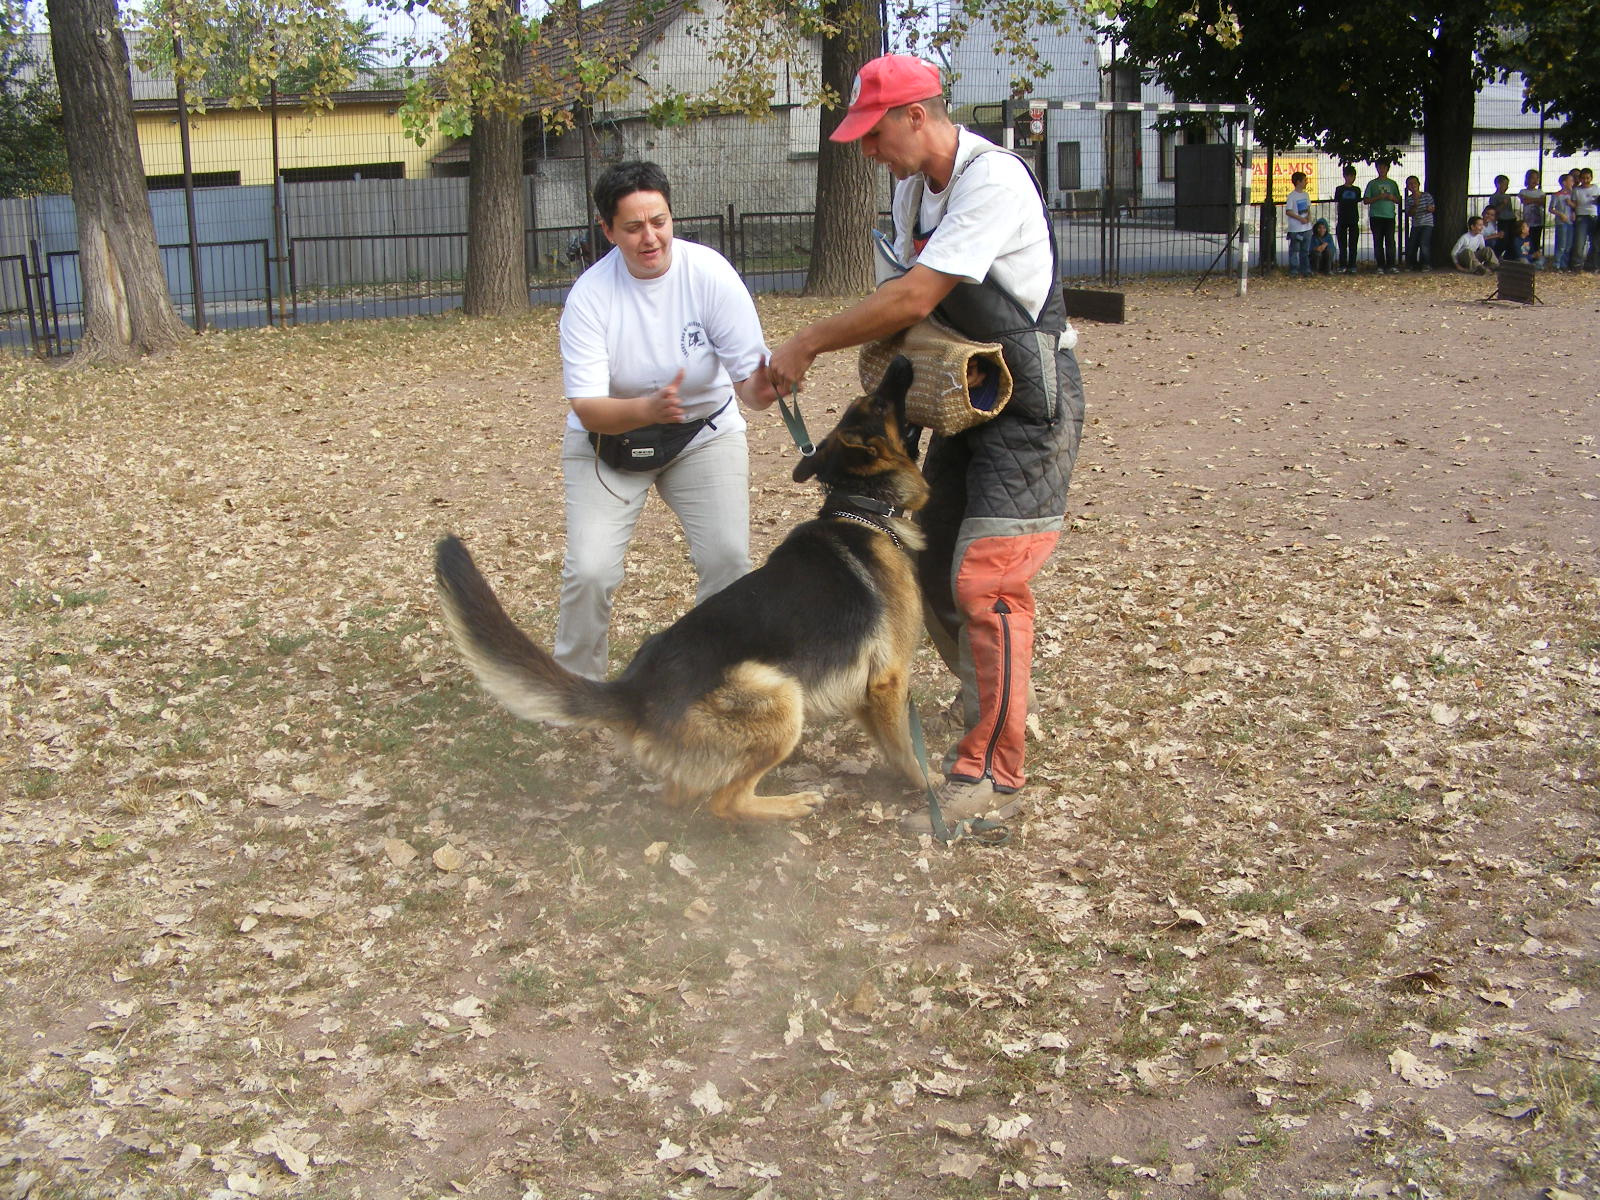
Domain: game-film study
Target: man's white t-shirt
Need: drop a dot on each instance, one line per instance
(1584, 200)
(988, 216)
(623, 336)
(1467, 242)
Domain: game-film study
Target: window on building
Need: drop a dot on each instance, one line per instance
(169, 183)
(1169, 155)
(1193, 134)
(388, 170)
(1069, 166)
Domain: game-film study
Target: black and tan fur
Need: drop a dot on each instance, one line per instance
(826, 627)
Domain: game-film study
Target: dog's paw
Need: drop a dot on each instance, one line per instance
(782, 808)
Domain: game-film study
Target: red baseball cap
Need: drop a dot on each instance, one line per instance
(885, 83)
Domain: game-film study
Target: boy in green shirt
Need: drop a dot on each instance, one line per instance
(1382, 199)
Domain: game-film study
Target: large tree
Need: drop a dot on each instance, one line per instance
(847, 183)
(497, 277)
(1353, 80)
(126, 308)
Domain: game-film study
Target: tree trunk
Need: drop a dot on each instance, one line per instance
(497, 277)
(1448, 107)
(126, 308)
(847, 183)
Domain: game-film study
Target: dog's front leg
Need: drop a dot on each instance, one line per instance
(886, 715)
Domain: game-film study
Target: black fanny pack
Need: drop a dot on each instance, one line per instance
(650, 447)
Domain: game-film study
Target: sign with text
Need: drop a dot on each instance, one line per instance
(1282, 169)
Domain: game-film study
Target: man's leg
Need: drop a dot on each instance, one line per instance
(993, 590)
(1014, 480)
(603, 506)
(708, 487)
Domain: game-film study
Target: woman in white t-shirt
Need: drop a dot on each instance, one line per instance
(656, 336)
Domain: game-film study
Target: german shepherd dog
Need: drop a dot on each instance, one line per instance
(827, 626)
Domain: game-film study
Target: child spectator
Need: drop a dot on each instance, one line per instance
(1561, 214)
(1382, 199)
(1492, 235)
(1297, 213)
(1584, 197)
(1323, 252)
(1533, 205)
(1501, 201)
(1514, 242)
(1347, 220)
(1470, 253)
(1419, 231)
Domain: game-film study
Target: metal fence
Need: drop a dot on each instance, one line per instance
(353, 276)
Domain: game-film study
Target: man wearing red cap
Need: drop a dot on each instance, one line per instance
(974, 248)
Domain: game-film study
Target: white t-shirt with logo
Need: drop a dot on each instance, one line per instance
(988, 216)
(1297, 208)
(623, 336)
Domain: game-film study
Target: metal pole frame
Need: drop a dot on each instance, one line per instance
(188, 188)
(1242, 225)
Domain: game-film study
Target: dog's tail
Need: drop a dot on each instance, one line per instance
(520, 675)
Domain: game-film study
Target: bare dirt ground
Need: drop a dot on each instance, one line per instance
(1306, 902)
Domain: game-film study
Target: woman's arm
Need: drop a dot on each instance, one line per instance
(620, 414)
(756, 391)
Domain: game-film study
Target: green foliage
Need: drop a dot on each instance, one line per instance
(236, 50)
(1553, 45)
(1352, 80)
(1356, 79)
(33, 154)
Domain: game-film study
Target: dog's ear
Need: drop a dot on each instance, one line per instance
(896, 383)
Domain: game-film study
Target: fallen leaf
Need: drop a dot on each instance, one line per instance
(401, 854)
(706, 1099)
(448, 858)
(1414, 1071)
(964, 1166)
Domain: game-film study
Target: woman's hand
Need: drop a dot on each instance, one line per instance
(620, 414)
(664, 406)
(756, 392)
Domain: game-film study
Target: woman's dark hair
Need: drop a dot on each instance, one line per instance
(623, 180)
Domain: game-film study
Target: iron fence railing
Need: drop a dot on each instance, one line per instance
(352, 276)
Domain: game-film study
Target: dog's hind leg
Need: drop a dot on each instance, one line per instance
(752, 724)
(886, 716)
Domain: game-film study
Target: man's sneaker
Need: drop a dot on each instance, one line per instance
(962, 800)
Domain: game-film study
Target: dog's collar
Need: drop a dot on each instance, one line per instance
(879, 508)
(847, 515)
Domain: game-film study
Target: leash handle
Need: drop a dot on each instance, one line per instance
(795, 423)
